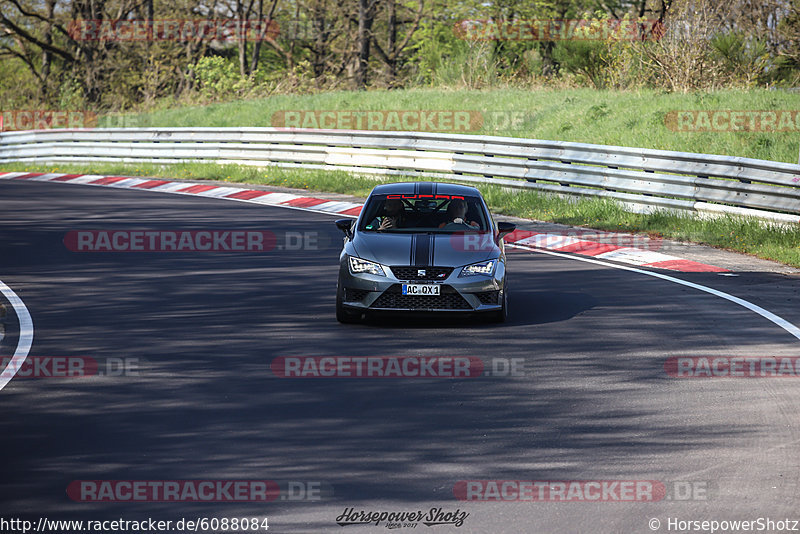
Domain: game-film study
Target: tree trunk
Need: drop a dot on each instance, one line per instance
(240, 40)
(94, 55)
(319, 48)
(391, 51)
(46, 55)
(265, 32)
(366, 16)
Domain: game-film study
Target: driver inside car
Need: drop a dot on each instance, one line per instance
(456, 216)
(394, 217)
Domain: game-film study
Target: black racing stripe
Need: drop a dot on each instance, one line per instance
(413, 249)
(431, 246)
(425, 188)
(422, 249)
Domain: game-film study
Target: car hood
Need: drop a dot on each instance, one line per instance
(444, 250)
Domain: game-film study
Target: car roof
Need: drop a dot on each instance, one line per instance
(424, 188)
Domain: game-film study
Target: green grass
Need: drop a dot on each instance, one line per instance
(622, 118)
(749, 236)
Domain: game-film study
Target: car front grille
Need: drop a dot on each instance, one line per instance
(488, 297)
(393, 297)
(404, 272)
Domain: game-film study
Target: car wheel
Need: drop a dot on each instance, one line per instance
(501, 315)
(343, 315)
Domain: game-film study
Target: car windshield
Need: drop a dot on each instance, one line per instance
(424, 213)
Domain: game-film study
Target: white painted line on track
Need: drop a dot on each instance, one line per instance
(766, 314)
(25, 335)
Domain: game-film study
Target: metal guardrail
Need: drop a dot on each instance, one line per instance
(639, 178)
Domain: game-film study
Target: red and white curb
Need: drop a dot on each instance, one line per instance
(203, 190)
(607, 251)
(524, 239)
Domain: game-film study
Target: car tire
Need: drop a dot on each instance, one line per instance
(501, 315)
(343, 315)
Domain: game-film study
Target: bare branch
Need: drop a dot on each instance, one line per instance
(32, 14)
(27, 36)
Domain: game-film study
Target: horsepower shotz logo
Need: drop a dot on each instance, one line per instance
(434, 516)
(377, 367)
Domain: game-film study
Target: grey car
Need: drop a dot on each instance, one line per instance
(423, 247)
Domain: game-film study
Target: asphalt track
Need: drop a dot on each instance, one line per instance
(595, 402)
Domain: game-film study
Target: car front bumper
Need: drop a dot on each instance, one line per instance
(468, 294)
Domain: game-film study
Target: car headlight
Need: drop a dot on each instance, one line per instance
(484, 267)
(359, 266)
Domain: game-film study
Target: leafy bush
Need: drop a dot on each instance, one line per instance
(745, 58)
(587, 58)
(215, 76)
(218, 79)
(611, 61)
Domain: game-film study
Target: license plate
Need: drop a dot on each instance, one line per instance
(421, 289)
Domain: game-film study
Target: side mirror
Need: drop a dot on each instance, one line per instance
(505, 228)
(345, 226)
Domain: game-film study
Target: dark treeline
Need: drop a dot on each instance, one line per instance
(71, 54)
